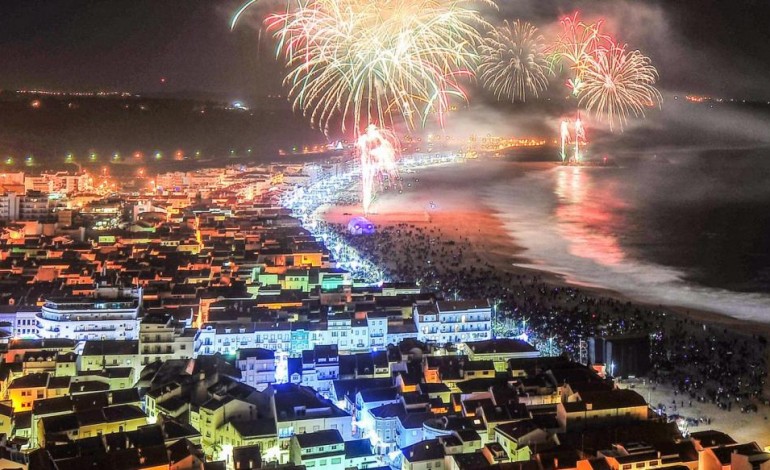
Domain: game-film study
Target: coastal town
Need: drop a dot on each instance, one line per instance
(213, 319)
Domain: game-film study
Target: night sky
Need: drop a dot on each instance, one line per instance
(709, 46)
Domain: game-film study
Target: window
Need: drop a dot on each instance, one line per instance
(336, 461)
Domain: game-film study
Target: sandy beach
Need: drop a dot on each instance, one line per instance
(451, 198)
(743, 427)
(446, 197)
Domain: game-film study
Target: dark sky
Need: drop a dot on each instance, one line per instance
(716, 46)
(127, 44)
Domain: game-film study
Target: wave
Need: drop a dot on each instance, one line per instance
(570, 225)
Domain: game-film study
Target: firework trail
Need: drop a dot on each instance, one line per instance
(580, 134)
(378, 152)
(619, 83)
(513, 63)
(565, 139)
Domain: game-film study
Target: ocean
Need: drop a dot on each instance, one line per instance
(686, 226)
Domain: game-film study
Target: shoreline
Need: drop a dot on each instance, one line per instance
(497, 247)
(427, 235)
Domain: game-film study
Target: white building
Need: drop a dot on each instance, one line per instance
(377, 323)
(68, 183)
(86, 318)
(300, 410)
(227, 338)
(257, 367)
(40, 183)
(160, 339)
(454, 321)
(9, 206)
(26, 322)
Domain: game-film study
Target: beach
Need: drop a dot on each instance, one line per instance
(441, 223)
(743, 427)
(454, 198)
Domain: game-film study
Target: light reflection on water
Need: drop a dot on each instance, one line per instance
(584, 214)
(582, 223)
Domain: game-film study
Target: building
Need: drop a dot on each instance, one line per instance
(86, 318)
(257, 367)
(622, 356)
(518, 439)
(598, 408)
(499, 351)
(320, 367)
(424, 455)
(161, 339)
(447, 321)
(34, 205)
(327, 449)
(102, 355)
(9, 206)
(300, 410)
(82, 425)
(324, 448)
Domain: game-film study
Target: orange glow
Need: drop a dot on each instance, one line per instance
(582, 220)
(697, 99)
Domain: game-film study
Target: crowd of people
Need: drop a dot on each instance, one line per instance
(702, 361)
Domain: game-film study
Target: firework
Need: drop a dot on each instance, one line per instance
(513, 62)
(618, 83)
(580, 134)
(361, 62)
(367, 61)
(577, 44)
(378, 152)
(564, 139)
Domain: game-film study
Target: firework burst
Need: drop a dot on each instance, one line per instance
(618, 83)
(513, 62)
(367, 61)
(576, 45)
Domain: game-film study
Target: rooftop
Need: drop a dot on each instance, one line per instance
(319, 438)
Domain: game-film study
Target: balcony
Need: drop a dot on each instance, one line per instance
(61, 317)
(151, 340)
(90, 329)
